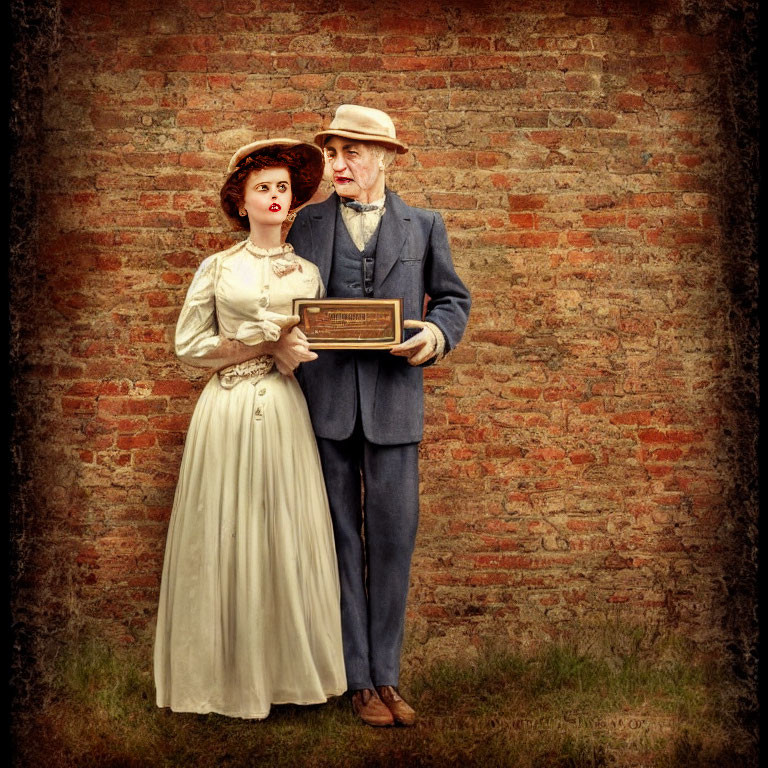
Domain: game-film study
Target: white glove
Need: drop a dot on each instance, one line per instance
(427, 343)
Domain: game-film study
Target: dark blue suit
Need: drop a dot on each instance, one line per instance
(367, 411)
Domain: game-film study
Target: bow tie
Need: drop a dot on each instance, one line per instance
(360, 207)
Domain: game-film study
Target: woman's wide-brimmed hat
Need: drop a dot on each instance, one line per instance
(307, 155)
(363, 124)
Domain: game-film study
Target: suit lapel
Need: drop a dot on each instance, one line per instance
(393, 234)
(322, 225)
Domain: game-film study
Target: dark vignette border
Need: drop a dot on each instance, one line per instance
(35, 28)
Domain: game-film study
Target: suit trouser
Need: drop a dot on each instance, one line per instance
(374, 571)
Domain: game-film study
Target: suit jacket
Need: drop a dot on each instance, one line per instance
(412, 258)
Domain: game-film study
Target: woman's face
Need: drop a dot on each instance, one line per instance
(267, 196)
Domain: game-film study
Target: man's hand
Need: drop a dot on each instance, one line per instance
(292, 348)
(419, 348)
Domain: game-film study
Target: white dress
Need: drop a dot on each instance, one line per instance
(249, 601)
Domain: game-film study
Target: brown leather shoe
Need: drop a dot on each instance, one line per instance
(402, 712)
(367, 705)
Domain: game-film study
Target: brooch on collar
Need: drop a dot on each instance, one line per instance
(282, 267)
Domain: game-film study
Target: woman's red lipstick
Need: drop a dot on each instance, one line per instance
(275, 207)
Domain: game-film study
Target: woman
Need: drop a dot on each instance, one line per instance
(249, 600)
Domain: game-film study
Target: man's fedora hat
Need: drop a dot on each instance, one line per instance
(306, 155)
(363, 124)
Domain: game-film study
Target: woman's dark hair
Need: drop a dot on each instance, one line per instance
(232, 192)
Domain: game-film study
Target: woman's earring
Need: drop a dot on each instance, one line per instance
(291, 215)
(243, 212)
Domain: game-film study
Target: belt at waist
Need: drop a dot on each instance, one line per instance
(251, 370)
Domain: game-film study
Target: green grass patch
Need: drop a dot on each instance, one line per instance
(608, 696)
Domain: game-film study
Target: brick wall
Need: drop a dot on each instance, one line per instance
(580, 455)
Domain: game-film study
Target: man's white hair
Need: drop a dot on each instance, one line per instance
(387, 155)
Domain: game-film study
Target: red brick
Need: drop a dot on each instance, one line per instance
(632, 417)
(450, 158)
(670, 436)
(175, 423)
(175, 387)
(77, 405)
(521, 220)
(522, 239)
(605, 219)
(148, 336)
(142, 440)
(131, 405)
(500, 338)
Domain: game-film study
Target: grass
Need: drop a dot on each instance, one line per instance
(616, 696)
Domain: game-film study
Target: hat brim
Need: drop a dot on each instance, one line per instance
(303, 152)
(387, 141)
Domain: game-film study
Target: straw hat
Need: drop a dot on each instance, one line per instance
(364, 124)
(307, 155)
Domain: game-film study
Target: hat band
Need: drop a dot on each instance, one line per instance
(361, 136)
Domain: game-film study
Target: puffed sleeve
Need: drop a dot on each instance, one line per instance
(197, 335)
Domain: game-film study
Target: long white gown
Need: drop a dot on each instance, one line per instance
(249, 600)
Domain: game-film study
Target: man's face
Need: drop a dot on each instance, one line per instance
(356, 169)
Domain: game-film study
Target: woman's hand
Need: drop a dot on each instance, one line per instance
(292, 348)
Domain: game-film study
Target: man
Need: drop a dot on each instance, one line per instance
(367, 406)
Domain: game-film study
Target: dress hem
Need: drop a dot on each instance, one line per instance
(260, 715)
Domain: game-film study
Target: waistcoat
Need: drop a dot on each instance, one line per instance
(352, 270)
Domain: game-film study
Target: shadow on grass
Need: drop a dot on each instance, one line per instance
(612, 696)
